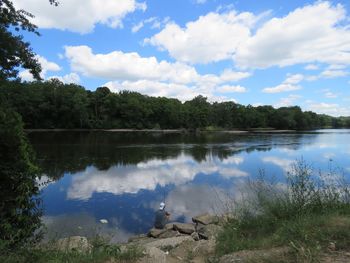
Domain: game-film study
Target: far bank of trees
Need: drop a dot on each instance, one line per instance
(53, 104)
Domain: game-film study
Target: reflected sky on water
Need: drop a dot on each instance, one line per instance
(122, 177)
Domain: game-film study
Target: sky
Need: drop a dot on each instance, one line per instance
(269, 52)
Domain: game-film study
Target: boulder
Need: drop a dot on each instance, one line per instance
(169, 233)
(168, 242)
(77, 243)
(184, 228)
(154, 255)
(209, 232)
(154, 232)
(204, 247)
(169, 226)
(206, 219)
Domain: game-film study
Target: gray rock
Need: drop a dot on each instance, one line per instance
(169, 233)
(204, 247)
(169, 226)
(205, 219)
(154, 255)
(77, 243)
(137, 238)
(154, 232)
(172, 242)
(184, 228)
(195, 236)
(209, 232)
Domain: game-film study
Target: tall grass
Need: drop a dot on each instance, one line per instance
(303, 214)
(101, 251)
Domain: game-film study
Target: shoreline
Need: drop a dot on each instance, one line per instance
(263, 130)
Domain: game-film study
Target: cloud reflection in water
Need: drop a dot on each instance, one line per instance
(147, 175)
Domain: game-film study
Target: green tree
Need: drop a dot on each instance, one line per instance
(14, 52)
(19, 203)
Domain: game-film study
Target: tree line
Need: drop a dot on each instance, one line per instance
(53, 104)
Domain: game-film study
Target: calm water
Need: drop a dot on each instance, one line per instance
(122, 177)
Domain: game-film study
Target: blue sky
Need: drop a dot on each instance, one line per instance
(275, 52)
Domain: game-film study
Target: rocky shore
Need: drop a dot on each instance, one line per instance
(177, 242)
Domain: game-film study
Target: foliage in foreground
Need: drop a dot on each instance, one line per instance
(308, 214)
(19, 206)
(101, 251)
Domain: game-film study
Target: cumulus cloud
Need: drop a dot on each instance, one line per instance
(311, 67)
(146, 175)
(332, 109)
(157, 89)
(154, 22)
(46, 66)
(289, 84)
(230, 89)
(287, 101)
(148, 75)
(132, 67)
(127, 66)
(68, 78)
(212, 37)
(299, 37)
(333, 73)
(79, 15)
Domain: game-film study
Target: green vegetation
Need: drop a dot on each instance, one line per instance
(310, 215)
(19, 205)
(101, 253)
(53, 104)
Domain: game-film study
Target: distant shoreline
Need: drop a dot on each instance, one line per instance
(263, 130)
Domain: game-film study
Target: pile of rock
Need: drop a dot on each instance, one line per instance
(177, 240)
(203, 227)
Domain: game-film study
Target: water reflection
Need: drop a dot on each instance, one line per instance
(122, 177)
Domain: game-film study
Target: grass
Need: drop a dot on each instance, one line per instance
(101, 251)
(307, 214)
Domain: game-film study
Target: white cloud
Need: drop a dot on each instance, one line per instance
(329, 94)
(289, 84)
(79, 15)
(288, 101)
(69, 78)
(137, 27)
(46, 66)
(212, 37)
(156, 88)
(311, 67)
(130, 71)
(332, 109)
(299, 37)
(155, 23)
(285, 164)
(166, 89)
(146, 175)
(231, 89)
(127, 66)
(200, 1)
(333, 73)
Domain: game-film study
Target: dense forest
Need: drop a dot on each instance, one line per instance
(52, 104)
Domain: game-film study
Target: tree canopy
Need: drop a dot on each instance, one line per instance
(52, 104)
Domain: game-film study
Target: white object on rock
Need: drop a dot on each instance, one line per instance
(104, 221)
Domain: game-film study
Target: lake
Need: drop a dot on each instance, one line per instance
(121, 177)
